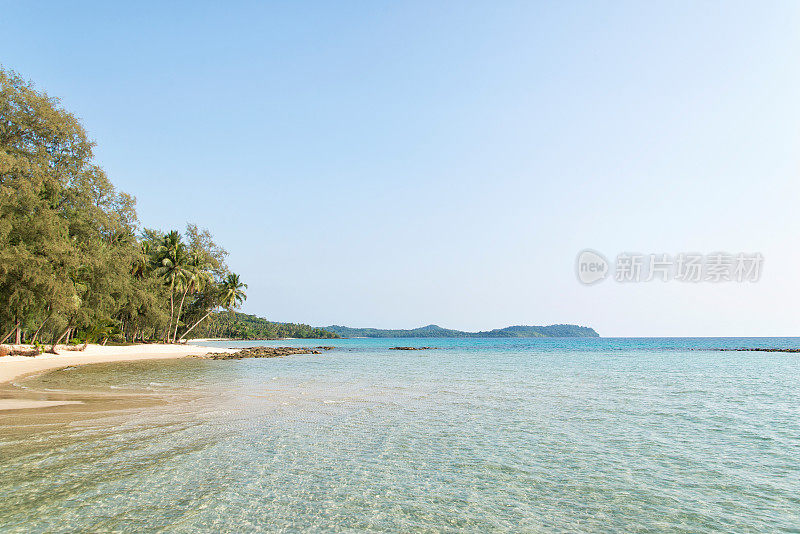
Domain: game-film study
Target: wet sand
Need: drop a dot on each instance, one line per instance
(14, 367)
(22, 404)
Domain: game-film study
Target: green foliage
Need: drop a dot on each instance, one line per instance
(72, 258)
(243, 326)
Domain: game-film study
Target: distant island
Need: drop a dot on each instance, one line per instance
(237, 325)
(432, 330)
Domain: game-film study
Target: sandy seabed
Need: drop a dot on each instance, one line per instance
(12, 367)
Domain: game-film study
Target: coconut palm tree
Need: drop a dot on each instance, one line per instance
(171, 263)
(232, 295)
(194, 278)
(229, 295)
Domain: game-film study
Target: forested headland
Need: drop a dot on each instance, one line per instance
(75, 264)
(238, 325)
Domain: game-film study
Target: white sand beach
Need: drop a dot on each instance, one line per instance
(12, 367)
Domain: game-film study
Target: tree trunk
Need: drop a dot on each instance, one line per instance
(19, 334)
(178, 318)
(195, 324)
(8, 335)
(171, 308)
(57, 341)
(36, 334)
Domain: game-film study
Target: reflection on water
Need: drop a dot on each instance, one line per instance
(479, 435)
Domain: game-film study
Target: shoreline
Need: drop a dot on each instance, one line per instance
(204, 339)
(14, 367)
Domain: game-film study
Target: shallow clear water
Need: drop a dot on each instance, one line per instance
(548, 435)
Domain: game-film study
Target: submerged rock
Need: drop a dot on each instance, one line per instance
(413, 348)
(259, 352)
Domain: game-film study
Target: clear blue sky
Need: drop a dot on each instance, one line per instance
(395, 164)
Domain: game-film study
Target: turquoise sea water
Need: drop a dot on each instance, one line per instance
(535, 435)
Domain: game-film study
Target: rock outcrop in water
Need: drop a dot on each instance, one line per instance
(261, 352)
(761, 349)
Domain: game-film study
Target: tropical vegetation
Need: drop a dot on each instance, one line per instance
(75, 265)
(237, 325)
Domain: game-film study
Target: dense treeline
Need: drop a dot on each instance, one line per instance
(243, 326)
(74, 264)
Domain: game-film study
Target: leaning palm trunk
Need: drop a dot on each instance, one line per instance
(8, 335)
(178, 318)
(36, 334)
(171, 309)
(195, 324)
(57, 341)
